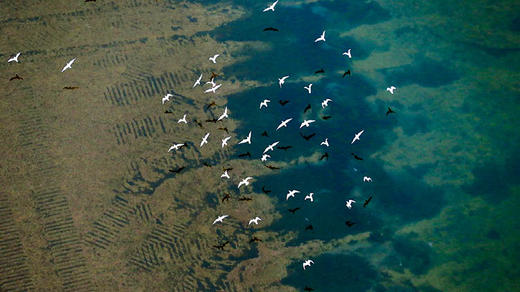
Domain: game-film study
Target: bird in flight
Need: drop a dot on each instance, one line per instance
(307, 108)
(307, 263)
(264, 134)
(244, 182)
(321, 38)
(291, 194)
(166, 98)
(248, 154)
(198, 81)
(349, 203)
(270, 29)
(224, 115)
(356, 157)
(211, 82)
(175, 147)
(246, 140)
(281, 81)
(283, 102)
(307, 289)
(284, 124)
(204, 140)
(265, 190)
(309, 227)
(225, 140)
(69, 65)
(255, 220)
(71, 87)
(221, 246)
(225, 175)
(224, 129)
(391, 89)
(271, 147)
(389, 111)
(293, 210)
(214, 58)
(310, 197)
(220, 219)
(357, 136)
(309, 88)
(367, 201)
(325, 102)
(271, 7)
(319, 71)
(213, 89)
(346, 73)
(308, 137)
(264, 103)
(272, 167)
(284, 147)
(177, 170)
(16, 77)
(254, 239)
(326, 142)
(367, 179)
(183, 120)
(14, 59)
(349, 223)
(265, 157)
(306, 123)
(226, 197)
(347, 53)
(326, 155)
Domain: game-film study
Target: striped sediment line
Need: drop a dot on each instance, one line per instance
(147, 127)
(14, 272)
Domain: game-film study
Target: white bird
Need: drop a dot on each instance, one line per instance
(349, 203)
(325, 102)
(265, 156)
(321, 38)
(326, 142)
(255, 220)
(166, 98)
(309, 88)
(224, 141)
(198, 81)
(271, 147)
(306, 123)
(307, 263)
(264, 103)
(245, 182)
(246, 140)
(15, 58)
(225, 175)
(213, 89)
(224, 115)
(183, 120)
(391, 89)
(69, 65)
(220, 218)
(309, 196)
(356, 137)
(271, 7)
(291, 194)
(283, 124)
(214, 58)
(367, 179)
(212, 82)
(204, 140)
(281, 81)
(347, 53)
(175, 147)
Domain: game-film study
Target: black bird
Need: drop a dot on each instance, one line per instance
(244, 199)
(326, 155)
(309, 227)
(265, 191)
(356, 157)
(221, 246)
(227, 169)
(265, 134)
(284, 147)
(16, 77)
(214, 120)
(308, 289)
(245, 154)
(349, 223)
(211, 104)
(283, 102)
(308, 107)
(270, 29)
(308, 137)
(168, 112)
(255, 239)
(326, 117)
(367, 201)
(71, 87)
(198, 123)
(271, 167)
(320, 71)
(213, 75)
(207, 164)
(346, 73)
(389, 111)
(224, 129)
(294, 210)
(90, 0)
(177, 170)
(226, 197)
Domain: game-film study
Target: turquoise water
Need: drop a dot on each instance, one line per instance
(445, 167)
